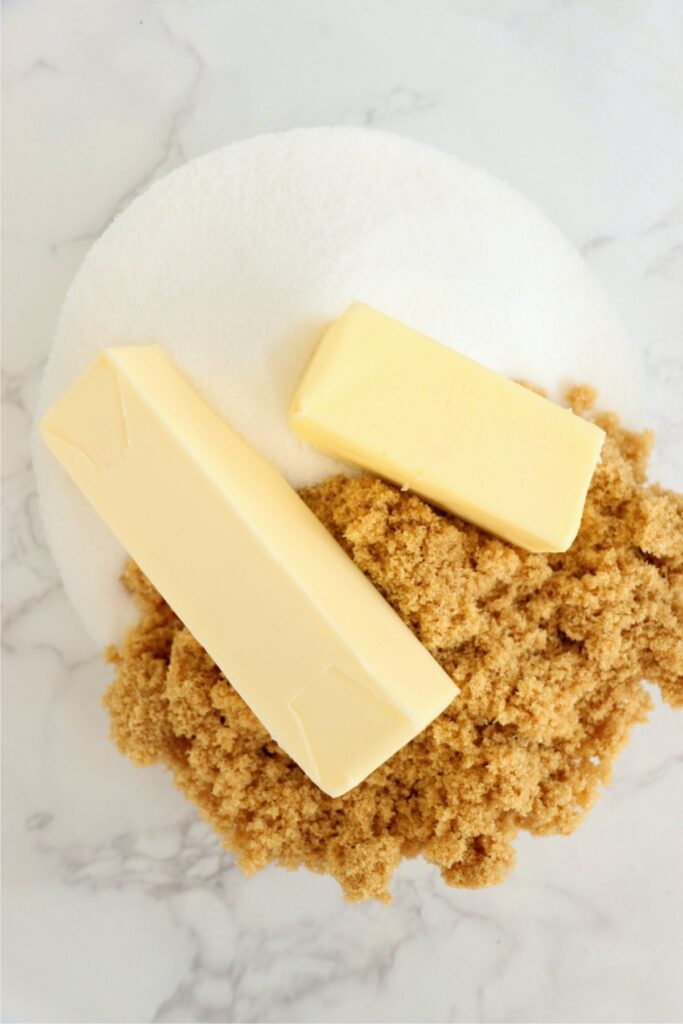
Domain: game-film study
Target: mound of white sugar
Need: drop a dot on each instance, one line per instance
(236, 262)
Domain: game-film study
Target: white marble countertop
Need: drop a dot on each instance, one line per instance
(118, 904)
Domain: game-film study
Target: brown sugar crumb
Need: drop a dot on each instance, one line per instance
(581, 398)
(548, 651)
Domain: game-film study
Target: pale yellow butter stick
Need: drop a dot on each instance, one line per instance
(385, 397)
(320, 657)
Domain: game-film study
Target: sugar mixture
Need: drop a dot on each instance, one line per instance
(548, 651)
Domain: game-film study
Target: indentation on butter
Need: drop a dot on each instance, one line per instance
(339, 711)
(122, 409)
(53, 438)
(95, 428)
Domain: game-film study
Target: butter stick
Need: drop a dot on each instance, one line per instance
(324, 662)
(385, 397)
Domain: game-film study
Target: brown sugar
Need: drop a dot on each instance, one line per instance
(548, 650)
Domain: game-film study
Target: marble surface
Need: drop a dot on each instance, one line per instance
(118, 903)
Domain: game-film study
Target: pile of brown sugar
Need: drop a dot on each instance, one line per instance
(548, 651)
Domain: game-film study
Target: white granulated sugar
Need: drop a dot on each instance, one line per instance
(236, 262)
